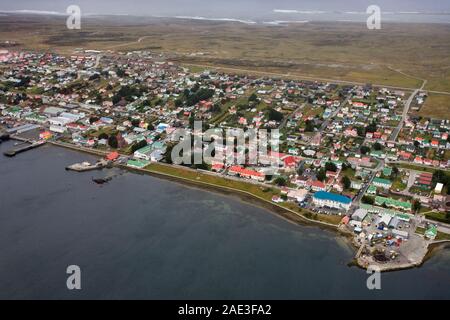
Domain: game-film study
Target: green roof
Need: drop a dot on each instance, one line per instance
(382, 181)
(431, 232)
(372, 189)
(387, 171)
(398, 214)
(393, 203)
(145, 150)
(137, 163)
(15, 109)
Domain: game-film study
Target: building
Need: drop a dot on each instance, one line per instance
(316, 185)
(424, 180)
(439, 188)
(382, 183)
(139, 164)
(393, 203)
(298, 195)
(247, 173)
(359, 215)
(331, 200)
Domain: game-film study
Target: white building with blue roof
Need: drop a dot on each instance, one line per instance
(331, 200)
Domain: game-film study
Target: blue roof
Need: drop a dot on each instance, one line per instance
(322, 195)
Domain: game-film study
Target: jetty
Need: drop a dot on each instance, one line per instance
(3, 136)
(87, 166)
(27, 145)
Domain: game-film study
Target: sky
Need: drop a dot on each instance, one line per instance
(223, 8)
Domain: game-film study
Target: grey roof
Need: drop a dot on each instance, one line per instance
(359, 214)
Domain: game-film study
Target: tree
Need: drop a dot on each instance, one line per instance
(364, 150)
(330, 166)
(253, 97)
(178, 103)
(321, 175)
(274, 115)
(103, 136)
(368, 200)
(346, 182)
(280, 181)
(135, 122)
(377, 146)
(112, 142)
(395, 170)
(138, 145)
(417, 205)
(372, 127)
(361, 131)
(309, 126)
(93, 119)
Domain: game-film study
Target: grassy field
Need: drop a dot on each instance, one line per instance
(438, 216)
(346, 51)
(437, 105)
(440, 235)
(398, 54)
(419, 168)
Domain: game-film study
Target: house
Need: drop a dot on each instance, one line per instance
(143, 153)
(356, 184)
(393, 203)
(247, 173)
(359, 215)
(331, 200)
(298, 195)
(439, 187)
(384, 221)
(316, 185)
(112, 156)
(382, 183)
(138, 164)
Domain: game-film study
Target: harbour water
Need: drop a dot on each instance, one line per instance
(142, 237)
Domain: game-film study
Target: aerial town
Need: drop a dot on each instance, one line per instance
(355, 157)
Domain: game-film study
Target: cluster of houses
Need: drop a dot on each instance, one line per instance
(134, 103)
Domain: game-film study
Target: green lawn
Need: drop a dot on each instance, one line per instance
(438, 216)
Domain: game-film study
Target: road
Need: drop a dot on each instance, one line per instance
(286, 119)
(326, 122)
(396, 131)
(357, 201)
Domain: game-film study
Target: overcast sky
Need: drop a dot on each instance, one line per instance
(223, 8)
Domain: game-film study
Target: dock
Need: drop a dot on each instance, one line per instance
(3, 137)
(24, 147)
(86, 166)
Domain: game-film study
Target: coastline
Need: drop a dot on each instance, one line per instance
(273, 208)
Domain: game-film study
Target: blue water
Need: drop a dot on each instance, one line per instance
(142, 237)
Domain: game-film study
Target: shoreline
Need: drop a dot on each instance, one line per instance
(273, 208)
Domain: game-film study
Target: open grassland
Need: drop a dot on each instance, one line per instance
(398, 55)
(436, 106)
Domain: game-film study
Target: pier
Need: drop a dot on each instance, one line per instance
(27, 145)
(86, 166)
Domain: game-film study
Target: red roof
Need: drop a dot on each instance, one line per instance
(112, 156)
(246, 172)
(317, 184)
